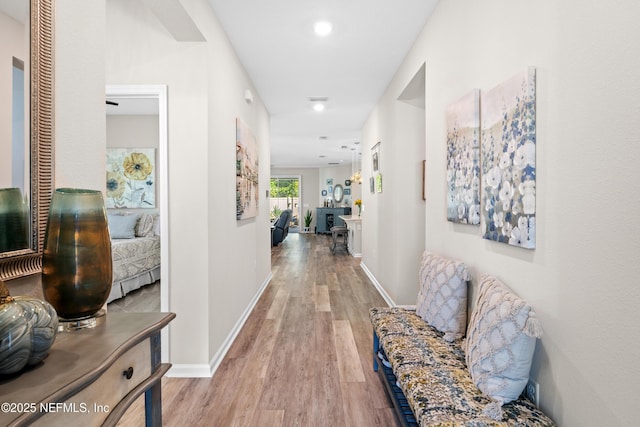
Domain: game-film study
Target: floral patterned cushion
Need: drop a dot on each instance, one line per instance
(500, 342)
(442, 300)
(434, 378)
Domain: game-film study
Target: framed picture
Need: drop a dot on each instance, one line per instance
(330, 189)
(379, 183)
(347, 191)
(424, 171)
(508, 140)
(324, 192)
(372, 185)
(246, 172)
(131, 177)
(329, 181)
(375, 158)
(463, 159)
(347, 183)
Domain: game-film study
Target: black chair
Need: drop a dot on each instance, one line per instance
(281, 227)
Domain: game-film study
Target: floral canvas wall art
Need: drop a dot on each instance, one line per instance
(463, 160)
(131, 178)
(246, 172)
(509, 161)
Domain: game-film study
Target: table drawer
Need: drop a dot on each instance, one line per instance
(91, 406)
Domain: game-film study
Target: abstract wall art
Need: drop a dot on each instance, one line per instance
(131, 178)
(509, 161)
(463, 160)
(246, 172)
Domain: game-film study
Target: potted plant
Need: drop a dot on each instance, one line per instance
(307, 221)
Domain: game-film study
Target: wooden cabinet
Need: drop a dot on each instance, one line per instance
(328, 217)
(91, 376)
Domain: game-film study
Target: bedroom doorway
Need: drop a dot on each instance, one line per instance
(151, 100)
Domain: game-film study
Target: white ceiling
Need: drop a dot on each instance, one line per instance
(352, 66)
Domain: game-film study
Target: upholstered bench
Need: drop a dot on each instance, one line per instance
(436, 377)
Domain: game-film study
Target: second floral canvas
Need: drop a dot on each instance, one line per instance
(463, 160)
(509, 161)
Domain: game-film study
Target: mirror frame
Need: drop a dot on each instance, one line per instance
(341, 191)
(25, 262)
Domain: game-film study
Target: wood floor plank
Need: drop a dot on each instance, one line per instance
(349, 364)
(279, 304)
(321, 298)
(302, 358)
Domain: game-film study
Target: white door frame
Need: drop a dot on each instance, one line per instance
(158, 92)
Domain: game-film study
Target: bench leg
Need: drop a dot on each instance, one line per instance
(376, 347)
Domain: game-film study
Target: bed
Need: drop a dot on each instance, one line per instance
(135, 250)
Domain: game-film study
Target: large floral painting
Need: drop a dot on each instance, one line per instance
(509, 161)
(463, 160)
(131, 178)
(246, 172)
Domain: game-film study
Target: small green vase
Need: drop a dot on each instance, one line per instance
(76, 264)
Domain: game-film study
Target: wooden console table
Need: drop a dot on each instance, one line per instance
(91, 376)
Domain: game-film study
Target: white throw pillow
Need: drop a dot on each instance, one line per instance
(144, 227)
(442, 299)
(500, 343)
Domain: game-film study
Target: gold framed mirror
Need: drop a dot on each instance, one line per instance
(28, 260)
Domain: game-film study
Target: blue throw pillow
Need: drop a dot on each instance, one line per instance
(123, 226)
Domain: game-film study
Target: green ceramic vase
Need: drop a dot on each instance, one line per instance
(14, 220)
(76, 264)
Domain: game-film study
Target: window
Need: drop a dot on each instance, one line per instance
(285, 194)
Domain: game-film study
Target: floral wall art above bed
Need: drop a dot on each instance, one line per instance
(131, 178)
(508, 115)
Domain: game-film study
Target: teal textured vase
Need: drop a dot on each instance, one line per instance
(76, 264)
(28, 328)
(14, 220)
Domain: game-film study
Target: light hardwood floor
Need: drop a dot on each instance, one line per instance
(303, 358)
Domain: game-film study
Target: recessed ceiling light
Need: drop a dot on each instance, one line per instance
(323, 28)
(318, 107)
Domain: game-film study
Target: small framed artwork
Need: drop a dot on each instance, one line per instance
(379, 183)
(324, 192)
(424, 169)
(375, 158)
(347, 183)
(372, 185)
(329, 181)
(347, 191)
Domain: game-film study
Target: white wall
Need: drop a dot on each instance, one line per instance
(217, 264)
(79, 140)
(393, 218)
(581, 278)
(339, 174)
(135, 131)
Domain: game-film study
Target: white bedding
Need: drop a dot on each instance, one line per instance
(136, 262)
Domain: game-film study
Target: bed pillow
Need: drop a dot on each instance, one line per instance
(500, 343)
(144, 227)
(442, 299)
(122, 226)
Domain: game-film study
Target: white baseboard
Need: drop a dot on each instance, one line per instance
(377, 285)
(207, 371)
(190, 371)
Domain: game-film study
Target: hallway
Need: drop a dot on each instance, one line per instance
(303, 358)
